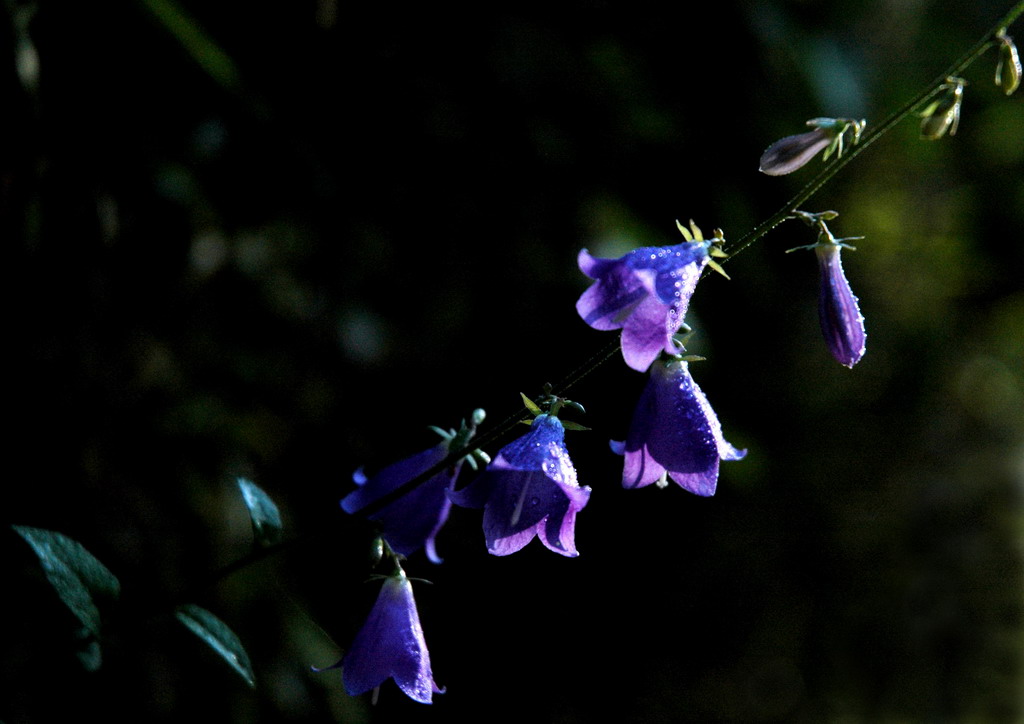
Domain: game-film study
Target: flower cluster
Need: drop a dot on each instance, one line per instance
(530, 489)
(674, 432)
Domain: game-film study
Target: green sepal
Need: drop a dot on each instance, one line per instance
(530, 405)
(718, 268)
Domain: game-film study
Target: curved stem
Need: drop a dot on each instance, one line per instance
(874, 133)
(495, 433)
(501, 429)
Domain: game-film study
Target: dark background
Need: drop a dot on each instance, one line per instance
(279, 241)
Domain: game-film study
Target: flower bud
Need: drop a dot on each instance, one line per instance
(1008, 69)
(841, 321)
(790, 153)
(943, 114)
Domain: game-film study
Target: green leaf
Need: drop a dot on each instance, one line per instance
(266, 519)
(218, 637)
(74, 573)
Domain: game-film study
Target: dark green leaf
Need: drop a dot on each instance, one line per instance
(266, 519)
(219, 637)
(73, 572)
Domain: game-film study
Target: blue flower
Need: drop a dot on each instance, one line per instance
(528, 490)
(645, 293)
(675, 434)
(390, 645)
(841, 321)
(413, 520)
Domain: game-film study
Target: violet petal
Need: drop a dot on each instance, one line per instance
(391, 645)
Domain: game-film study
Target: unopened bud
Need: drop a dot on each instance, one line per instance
(943, 114)
(1008, 69)
(790, 153)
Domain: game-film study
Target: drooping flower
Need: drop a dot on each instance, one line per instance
(413, 520)
(528, 490)
(674, 434)
(790, 153)
(842, 324)
(645, 294)
(390, 645)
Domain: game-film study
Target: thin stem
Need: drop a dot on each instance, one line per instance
(874, 133)
(495, 433)
(812, 187)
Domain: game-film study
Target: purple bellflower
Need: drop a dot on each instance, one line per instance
(842, 324)
(528, 490)
(841, 321)
(413, 520)
(645, 293)
(675, 434)
(390, 645)
(790, 153)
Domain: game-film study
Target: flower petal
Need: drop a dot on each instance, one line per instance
(646, 293)
(674, 430)
(391, 645)
(528, 490)
(790, 153)
(842, 324)
(412, 521)
(609, 301)
(648, 332)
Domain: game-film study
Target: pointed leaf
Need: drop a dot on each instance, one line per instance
(266, 519)
(530, 404)
(73, 572)
(218, 637)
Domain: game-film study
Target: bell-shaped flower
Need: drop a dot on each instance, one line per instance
(413, 520)
(674, 434)
(790, 153)
(390, 645)
(528, 490)
(841, 321)
(645, 294)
